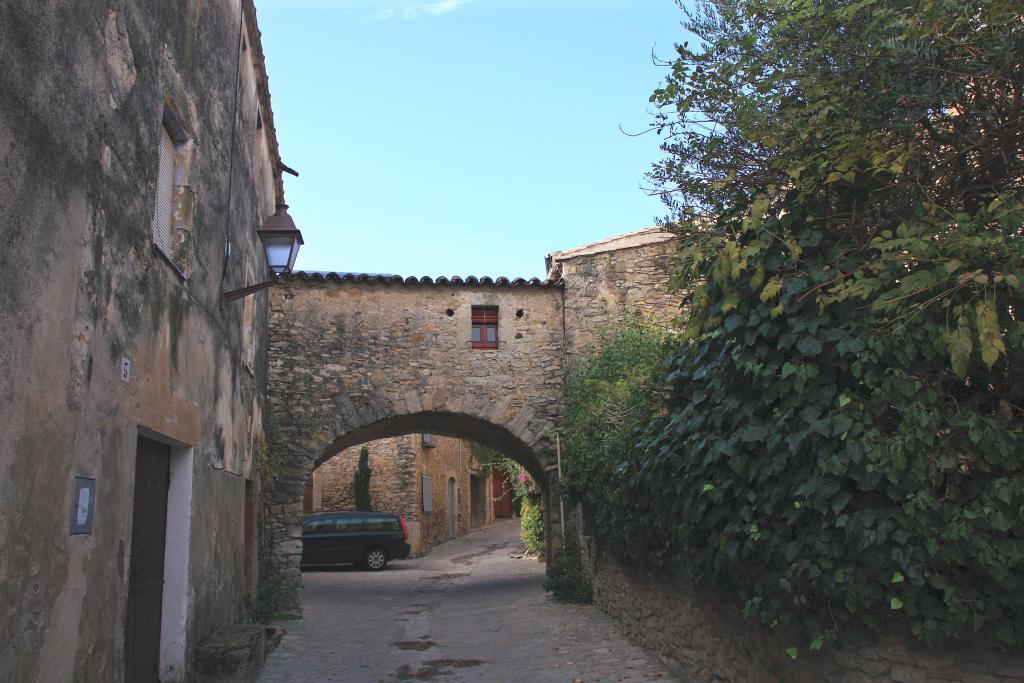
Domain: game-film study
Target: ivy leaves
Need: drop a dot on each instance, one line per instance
(989, 334)
(845, 435)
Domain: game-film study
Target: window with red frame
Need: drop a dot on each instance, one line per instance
(485, 327)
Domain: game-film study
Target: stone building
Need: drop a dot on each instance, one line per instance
(435, 482)
(131, 399)
(357, 357)
(611, 279)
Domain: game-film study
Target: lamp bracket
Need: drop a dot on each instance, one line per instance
(227, 297)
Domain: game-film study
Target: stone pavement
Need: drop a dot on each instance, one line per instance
(468, 611)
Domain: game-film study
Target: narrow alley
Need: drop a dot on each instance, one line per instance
(468, 611)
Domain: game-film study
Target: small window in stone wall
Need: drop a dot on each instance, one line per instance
(485, 327)
(429, 441)
(173, 201)
(163, 211)
(428, 494)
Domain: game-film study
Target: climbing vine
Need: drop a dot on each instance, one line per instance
(526, 493)
(841, 443)
(266, 603)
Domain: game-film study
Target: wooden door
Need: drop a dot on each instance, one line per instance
(146, 568)
(307, 496)
(477, 491)
(502, 494)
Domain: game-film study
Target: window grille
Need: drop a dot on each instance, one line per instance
(163, 211)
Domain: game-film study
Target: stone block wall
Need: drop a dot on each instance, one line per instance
(392, 477)
(354, 358)
(703, 637)
(450, 459)
(397, 466)
(607, 281)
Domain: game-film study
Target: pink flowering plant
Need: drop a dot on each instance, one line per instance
(523, 485)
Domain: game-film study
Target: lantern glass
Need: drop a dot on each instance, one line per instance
(281, 251)
(281, 240)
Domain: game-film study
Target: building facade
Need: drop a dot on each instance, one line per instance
(139, 158)
(436, 482)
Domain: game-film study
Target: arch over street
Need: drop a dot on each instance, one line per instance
(354, 358)
(357, 358)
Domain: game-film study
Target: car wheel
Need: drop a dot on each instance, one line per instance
(375, 559)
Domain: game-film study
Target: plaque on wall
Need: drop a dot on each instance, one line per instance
(83, 502)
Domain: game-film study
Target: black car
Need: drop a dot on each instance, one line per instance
(369, 539)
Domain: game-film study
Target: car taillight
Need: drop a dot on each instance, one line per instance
(405, 529)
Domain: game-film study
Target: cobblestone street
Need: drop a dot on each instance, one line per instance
(468, 611)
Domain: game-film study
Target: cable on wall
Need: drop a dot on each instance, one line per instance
(231, 146)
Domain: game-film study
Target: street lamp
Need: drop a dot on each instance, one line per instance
(281, 240)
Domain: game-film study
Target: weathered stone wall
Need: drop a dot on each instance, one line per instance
(607, 281)
(392, 477)
(85, 89)
(357, 358)
(450, 459)
(397, 468)
(700, 635)
(704, 637)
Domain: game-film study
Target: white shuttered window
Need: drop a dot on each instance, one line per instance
(162, 214)
(428, 494)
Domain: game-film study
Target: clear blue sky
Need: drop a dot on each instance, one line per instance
(463, 137)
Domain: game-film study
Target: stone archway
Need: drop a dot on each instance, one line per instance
(286, 493)
(358, 359)
(354, 357)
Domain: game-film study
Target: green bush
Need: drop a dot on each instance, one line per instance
(266, 605)
(843, 440)
(610, 401)
(532, 526)
(566, 580)
(361, 481)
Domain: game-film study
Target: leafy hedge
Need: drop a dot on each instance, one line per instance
(527, 498)
(610, 400)
(566, 580)
(843, 438)
(532, 526)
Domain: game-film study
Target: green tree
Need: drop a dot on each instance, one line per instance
(844, 439)
(361, 480)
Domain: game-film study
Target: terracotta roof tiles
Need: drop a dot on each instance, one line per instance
(380, 278)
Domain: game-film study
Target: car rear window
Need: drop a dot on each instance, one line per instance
(382, 524)
(333, 525)
(344, 525)
(318, 526)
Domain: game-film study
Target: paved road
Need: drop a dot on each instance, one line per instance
(468, 611)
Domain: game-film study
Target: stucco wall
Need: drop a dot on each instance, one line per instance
(84, 91)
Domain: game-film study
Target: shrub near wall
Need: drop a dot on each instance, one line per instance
(844, 440)
(527, 495)
(610, 401)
